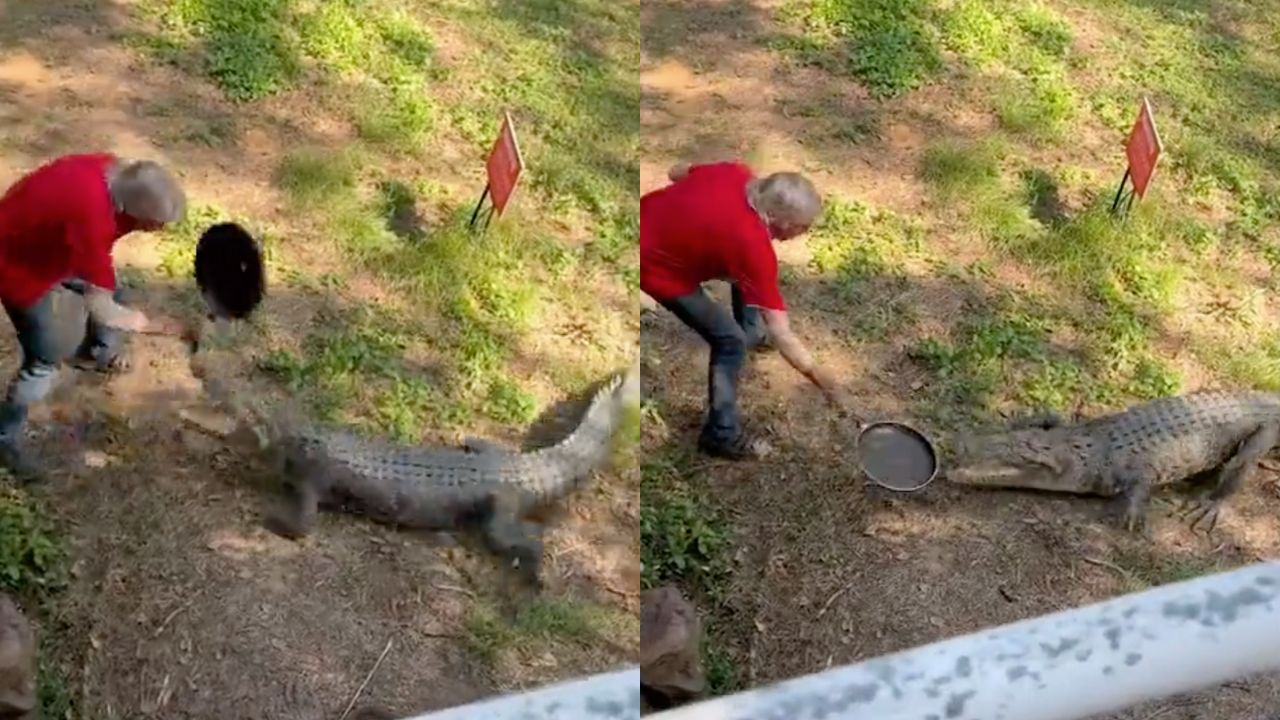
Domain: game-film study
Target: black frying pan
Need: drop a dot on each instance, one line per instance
(229, 271)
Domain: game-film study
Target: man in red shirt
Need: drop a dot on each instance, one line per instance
(58, 227)
(718, 221)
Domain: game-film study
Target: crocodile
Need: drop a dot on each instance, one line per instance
(477, 485)
(1218, 434)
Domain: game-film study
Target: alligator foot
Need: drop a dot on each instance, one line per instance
(1202, 512)
(1132, 510)
(1135, 519)
(519, 543)
(296, 514)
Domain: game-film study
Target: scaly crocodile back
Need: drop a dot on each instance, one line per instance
(567, 463)
(1186, 433)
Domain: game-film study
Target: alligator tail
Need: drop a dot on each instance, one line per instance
(560, 467)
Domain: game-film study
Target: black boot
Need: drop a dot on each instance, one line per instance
(742, 447)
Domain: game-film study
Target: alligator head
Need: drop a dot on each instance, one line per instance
(1035, 459)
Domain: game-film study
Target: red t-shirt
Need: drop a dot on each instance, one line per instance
(58, 222)
(701, 228)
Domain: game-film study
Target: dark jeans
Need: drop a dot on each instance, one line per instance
(730, 336)
(37, 336)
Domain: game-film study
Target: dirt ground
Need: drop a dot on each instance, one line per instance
(828, 570)
(181, 606)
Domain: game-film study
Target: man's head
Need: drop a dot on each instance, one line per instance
(787, 202)
(146, 192)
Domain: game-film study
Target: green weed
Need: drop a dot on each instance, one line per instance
(978, 31)
(315, 179)
(244, 45)
(1043, 28)
(682, 537)
(543, 622)
(1039, 107)
(1001, 353)
(854, 242)
(865, 254)
(33, 560)
(723, 677)
(952, 169)
(890, 45)
(55, 698)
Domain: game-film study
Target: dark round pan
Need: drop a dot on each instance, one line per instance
(229, 271)
(896, 456)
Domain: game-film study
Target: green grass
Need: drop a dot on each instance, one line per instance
(683, 539)
(953, 169)
(890, 45)
(1039, 107)
(487, 288)
(33, 561)
(242, 45)
(564, 69)
(1003, 354)
(893, 48)
(545, 622)
(862, 254)
(35, 568)
(1144, 569)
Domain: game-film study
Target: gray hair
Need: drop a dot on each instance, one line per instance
(144, 190)
(785, 197)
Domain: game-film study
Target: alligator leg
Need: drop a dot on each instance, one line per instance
(517, 541)
(1135, 482)
(1231, 476)
(297, 514)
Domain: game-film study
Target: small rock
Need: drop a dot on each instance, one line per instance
(671, 671)
(96, 459)
(17, 662)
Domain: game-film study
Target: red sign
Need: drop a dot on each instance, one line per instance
(504, 165)
(1143, 149)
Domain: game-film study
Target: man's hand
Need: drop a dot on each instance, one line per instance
(837, 395)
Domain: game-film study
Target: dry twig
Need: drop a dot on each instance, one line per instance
(169, 618)
(367, 678)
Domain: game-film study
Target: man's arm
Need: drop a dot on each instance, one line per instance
(795, 353)
(104, 309)
(93, 265)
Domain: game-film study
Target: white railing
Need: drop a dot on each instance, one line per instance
(609, 696)
(1069, 665)
(1065, 666)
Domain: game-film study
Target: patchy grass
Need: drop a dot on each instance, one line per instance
(954, 169)
(685, 541)
(865, 256)
(682, 539)
(242, 45)
(33, 561)
(887, 44)
(478, 297)
(576, 107)
(1143, 569)
(35, 568)
(547, 623)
